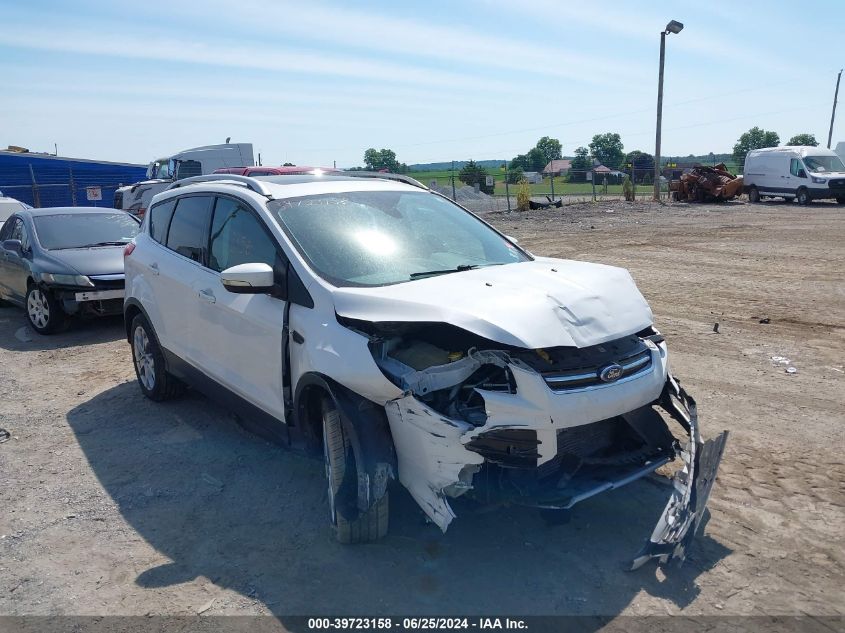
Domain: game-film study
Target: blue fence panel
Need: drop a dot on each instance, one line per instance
(50, 181)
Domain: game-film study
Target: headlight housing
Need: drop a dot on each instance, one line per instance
(67, 280)
(819, 181)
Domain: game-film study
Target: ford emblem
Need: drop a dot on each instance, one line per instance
(610, 373)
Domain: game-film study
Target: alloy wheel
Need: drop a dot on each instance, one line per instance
(144, 361)
(38, 309)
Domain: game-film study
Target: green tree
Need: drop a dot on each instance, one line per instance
(515, 174)
(536, 159)
(581, 164)
(804, 139)
(376, 160)
(607, 149)
(521, 161)
(472, 174)
(755, 138)
(643, 163)
(550, 148)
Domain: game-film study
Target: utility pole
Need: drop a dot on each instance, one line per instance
(507, 188)
(453, 182)
(833, 114)
(553, 180)
(672, 27)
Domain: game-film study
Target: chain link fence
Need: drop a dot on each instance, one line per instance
(42, 182)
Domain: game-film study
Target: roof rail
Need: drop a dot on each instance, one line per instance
(384, 176)
(245, 181)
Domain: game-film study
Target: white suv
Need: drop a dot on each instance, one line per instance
(404, 338)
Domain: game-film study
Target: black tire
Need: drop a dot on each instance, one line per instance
(753, 195)
(802, 196)
(147, 358)
(44, 314)
(369, 526)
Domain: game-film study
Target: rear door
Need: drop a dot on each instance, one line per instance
(14, 268)
(177, 259)
(237, 338)
(5, 234)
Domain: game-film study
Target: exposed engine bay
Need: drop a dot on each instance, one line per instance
(546, 428)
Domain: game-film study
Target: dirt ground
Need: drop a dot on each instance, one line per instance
(111, 504)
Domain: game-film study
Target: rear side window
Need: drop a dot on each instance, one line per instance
(238, 237)
(160, 216)
(188, 234)
(6, 231)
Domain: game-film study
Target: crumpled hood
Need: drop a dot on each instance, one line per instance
(543, 303)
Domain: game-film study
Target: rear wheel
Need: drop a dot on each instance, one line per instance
(753, 195)
(155, 382)
(43, 311)
(803, 196)
(368, 526)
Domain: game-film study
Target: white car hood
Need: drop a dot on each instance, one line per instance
(543, 303)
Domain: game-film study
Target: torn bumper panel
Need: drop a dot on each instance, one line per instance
(692, 484)
(441, 457)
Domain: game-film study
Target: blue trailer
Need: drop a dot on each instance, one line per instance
(43, 180)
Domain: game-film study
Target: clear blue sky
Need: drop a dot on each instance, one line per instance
(316, 82)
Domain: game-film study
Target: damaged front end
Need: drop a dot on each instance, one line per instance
(546, 428)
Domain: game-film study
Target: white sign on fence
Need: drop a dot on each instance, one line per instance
(589, 176)
(94, 193)
(489, 181)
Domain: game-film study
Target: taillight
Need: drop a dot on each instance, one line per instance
(127, 250)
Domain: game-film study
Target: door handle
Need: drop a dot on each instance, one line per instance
(207, 295)
(154, 268)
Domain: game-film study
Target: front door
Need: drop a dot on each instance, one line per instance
(237, 339)
(13, 267)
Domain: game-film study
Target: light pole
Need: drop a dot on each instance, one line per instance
(672, 27)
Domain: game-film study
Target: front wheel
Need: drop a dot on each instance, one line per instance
(43, 312)
(341, 475)
(155, 382)
(753, 195)
(803, 196)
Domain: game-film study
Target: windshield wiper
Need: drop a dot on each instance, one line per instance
(120, 243)
(457, 269)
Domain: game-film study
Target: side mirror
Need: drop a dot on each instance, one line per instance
(802, 173)
(248, 279)
(13, 245)
(512, 239)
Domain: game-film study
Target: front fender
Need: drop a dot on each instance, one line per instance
(366, 427)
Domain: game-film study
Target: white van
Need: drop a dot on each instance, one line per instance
(800, 172)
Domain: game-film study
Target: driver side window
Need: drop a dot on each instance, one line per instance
(238, 237)
(794, 167)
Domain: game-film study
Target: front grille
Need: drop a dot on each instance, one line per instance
(838, 183)
(107, 282)
(632, 365)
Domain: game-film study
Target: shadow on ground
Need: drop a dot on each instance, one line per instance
(252, 517)
(18, 336)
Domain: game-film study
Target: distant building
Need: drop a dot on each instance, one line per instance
(532, 177)
(558, 167)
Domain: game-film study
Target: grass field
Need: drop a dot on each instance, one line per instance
(443, 178)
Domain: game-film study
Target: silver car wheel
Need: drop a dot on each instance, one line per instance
(38, 309)
(144, 361)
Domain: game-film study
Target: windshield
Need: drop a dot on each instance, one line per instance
(824, 163)
(375, 238)
(160, 169)
(79, 230)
